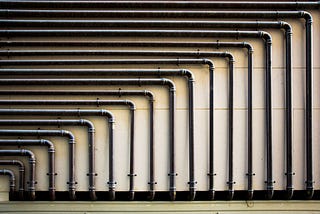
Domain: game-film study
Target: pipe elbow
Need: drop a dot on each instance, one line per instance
(49, 144)
(111, 118)
(248, 46)
(170, 84)
(173, 194)
(93, 195)
(89, 124)
(286, 26)
(131, 195)
(250, 194)
(230, 194)
(150, 95)
(69, 135)
(230, 57)
(269, 193)
(188, 73)
(131, 105)
(309, 193)
(209, 62)
(307, 17)
(266, 36)
(32, 157)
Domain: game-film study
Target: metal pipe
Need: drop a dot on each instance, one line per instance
(119, 93)
(143, 72)
(32, 163)
(20, 164)
(161, 4)
(240, 14)
(162, 81)
(80, 122)
(180, 24)
(69, 112)
(51, 159)
(61, 133)
(12, 180)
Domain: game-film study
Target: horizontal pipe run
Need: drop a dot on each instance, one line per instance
(133, 33)
(9, 13)
(140, 23)
(21, 166)
(80, 122)
(51, 157)
(62, 133)
(161, 4)
(55, 43)
(12, 180)
(32, 163)
(139, 82)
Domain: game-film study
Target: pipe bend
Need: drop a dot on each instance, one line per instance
(248, 46)
(131, 104)
(69, 135)
(286, 26)
(188, 73)
(230, 57)
(109, 115)
(169, 83)
(32, 158)
(209, 62)
(150, 95)
(89, 124)
(307, 16)
(266, 36)
(49, 144)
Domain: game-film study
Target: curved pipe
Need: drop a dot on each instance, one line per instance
(61, 133)
(32, 163)
(66, 112)
(161, 4)
(119, 93)
(51, 159)
(12, 180)
(20, 164)
(162, 81)
(81, 122)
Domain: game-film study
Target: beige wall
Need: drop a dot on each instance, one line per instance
(201, 123)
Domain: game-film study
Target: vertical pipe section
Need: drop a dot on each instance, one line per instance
(20, 164)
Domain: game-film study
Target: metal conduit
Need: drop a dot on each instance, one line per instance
(20, 164)
(161, 4)
(161, 81)
(80, 122)
(12, 180)
(62, 133)
(32, 163)
(240, 14)
(187, 33)
(145, 72)
(119, 93)
(71, 112)
(216, 45)
(51, 158)
(172, 24)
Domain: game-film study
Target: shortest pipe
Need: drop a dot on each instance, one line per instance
(12, 180)
(21, 174)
